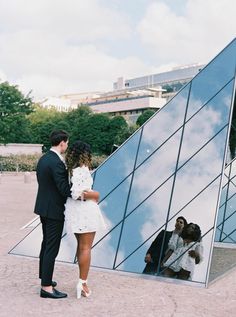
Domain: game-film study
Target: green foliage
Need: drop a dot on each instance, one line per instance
(144, 117)
(19, 163)
(97, 160)
(14, 108)
(42, 122)
(94, 130)
(76, 121)
(101, 132)
(174, 87)
(21, 121)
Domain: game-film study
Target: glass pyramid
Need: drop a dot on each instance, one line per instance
(174, 165)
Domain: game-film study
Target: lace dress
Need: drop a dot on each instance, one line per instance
(180, 259)
(82, 216)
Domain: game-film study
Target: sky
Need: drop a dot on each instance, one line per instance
(55, 47)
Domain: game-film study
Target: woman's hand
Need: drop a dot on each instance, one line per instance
(91, 195)
(193, 254)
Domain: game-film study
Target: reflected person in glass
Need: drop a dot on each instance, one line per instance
(187, 253)
(153, 255)
(82, 216)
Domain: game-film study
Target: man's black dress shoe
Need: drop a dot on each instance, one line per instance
(54, 283)
(55, 294)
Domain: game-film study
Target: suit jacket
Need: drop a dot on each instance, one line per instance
(53, 187)
(155, 251)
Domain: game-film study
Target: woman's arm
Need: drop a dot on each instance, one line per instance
(197, 254)
(91, 195)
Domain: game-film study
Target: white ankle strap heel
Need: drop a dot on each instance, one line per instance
(80, 289)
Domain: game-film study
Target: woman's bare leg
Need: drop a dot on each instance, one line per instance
(85, 241)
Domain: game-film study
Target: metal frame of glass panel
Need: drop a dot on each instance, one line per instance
(226, 222)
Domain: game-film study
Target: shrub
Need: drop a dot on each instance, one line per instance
(28, 163)
(97, 160)
(19, 163)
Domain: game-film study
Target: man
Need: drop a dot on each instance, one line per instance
(160, 245)
(53, 190)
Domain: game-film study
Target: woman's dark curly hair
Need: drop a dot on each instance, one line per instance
(78, 154)
(195, 235)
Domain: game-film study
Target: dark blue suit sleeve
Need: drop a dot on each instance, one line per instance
(60, 177)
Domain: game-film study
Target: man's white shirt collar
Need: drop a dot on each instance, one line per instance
(59, 154)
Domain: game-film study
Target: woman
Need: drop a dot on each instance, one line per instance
(187, 253)
(82, 213)
(157, 251)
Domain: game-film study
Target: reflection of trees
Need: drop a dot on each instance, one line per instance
(175, 86)
(232, 136)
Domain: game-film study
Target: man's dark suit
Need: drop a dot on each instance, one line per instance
(53, 190)
(155, 252)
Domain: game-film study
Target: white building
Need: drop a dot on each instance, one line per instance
(130, 97)
(129, 104)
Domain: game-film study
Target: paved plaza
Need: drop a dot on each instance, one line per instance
(113, 294)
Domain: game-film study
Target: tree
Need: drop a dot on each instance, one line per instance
(144, 117)
(76, 120)
(43, 121)
(100, 131)
(94, 130)
(14, 108)
(118, 130)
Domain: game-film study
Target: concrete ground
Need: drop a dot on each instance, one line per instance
(113, 294)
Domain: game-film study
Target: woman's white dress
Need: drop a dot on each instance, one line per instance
(180, 258)
(82, 216)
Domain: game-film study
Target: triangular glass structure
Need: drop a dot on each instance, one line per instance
(172, 166)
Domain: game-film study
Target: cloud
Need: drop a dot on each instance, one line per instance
(2, 76)
(53, 48)
(202, 29)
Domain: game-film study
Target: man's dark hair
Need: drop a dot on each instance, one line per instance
(57, 136)
(184, 220)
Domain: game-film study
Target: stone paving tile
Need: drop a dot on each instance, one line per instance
(113, 294)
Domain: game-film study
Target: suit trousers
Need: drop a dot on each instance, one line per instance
(52, 232)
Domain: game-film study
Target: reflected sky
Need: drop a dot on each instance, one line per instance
(206, 123)
(212, 78)
(156, 170)
(163, 125)
(119, 165)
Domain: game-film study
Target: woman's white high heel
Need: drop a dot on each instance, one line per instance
(80, 289)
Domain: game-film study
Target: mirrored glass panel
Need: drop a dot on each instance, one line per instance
(203, 126)
(154, 171)
(117, 167)
(148, 218)
(212, 79)
(201, 211)
(27, 248)
(158, 129)
(226, 221)
(104, 252)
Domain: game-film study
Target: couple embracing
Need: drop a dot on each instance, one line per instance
(65, 192)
